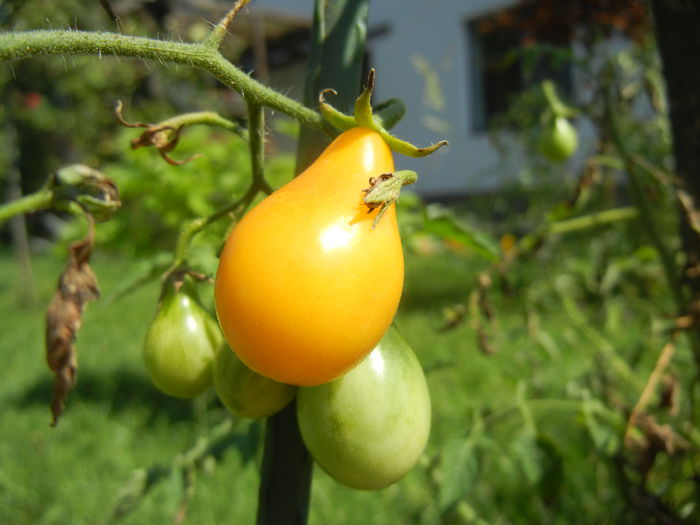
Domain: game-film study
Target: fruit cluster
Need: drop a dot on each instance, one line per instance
(306, 290)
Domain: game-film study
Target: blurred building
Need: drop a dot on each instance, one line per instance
(448, 60)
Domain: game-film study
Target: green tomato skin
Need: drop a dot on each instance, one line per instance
(558, 141)
(245, 392)
(368, 428)
(181, 343)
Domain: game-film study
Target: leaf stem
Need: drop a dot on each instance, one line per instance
(219, 32)
(592, 220)
(209, 118)
(25, 44)
(256, 141)
(192, 228)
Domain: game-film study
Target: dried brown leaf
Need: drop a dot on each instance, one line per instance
(76, 286)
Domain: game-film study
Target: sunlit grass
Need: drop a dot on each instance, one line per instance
(116, 421)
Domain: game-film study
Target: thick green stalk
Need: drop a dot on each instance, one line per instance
(592, 220)
(19, 45)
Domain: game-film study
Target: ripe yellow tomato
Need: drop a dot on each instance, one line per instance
(306, 287)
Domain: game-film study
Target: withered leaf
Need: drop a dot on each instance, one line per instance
(76, 286)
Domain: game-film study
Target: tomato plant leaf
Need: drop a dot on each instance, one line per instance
(460, 467)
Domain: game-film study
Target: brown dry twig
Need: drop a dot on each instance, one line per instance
(76, 286)
(638, 416)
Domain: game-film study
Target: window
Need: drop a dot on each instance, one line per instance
(498, 69)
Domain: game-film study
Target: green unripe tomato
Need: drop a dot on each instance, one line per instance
(558, 140)
(181, 343)
(368, 428)
(245, 392)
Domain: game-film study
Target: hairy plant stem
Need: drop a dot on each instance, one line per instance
(256, 141)
(209, 118)
(26, 44)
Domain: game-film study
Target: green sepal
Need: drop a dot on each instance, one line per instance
(363, 105)
(385, 190)
(387, 115)
(336, 118)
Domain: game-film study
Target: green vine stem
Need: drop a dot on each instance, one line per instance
(26, 44)
(219, 32)
(191, 229)
(36, 201)
(256, 140)
(592, 220)
(208, 118)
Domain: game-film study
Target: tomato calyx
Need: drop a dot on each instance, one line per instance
(175, 280)
(384, 190)
(364, 116)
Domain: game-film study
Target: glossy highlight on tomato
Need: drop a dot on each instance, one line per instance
(306, 287)
(181, 342)
(368, 428)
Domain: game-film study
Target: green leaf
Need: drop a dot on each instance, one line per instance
(604, 433)
(541, 462)
(440, 222)
(460, 466)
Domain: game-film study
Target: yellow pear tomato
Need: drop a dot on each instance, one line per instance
(306, 286)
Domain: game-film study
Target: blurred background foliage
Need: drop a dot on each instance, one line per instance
(537, 340)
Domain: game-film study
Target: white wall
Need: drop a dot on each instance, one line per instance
(436, 31)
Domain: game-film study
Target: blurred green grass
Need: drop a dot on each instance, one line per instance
(116, 421)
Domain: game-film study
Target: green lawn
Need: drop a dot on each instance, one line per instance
(510, 438)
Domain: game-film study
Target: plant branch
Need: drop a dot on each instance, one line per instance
(645, 212)
(256, 140)
(219, 32)
(592, 220)
(661, 364)
(26, 44)
(36, 201)
(194, 227)
(671, 272)
(209, 118)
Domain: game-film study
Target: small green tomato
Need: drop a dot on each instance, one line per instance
(368, 428)
(558, 140)
(181, 343)
(245, 392)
